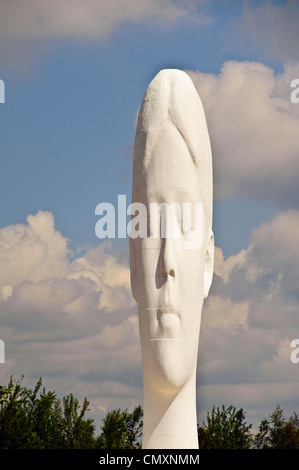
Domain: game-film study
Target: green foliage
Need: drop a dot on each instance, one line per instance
(77, 431)
(277, 432)
(121, 429)
(225, 429)
(37, 419)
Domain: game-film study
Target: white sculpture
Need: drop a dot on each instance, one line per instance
(171, 276)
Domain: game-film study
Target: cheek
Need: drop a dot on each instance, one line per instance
(150, 259)
(143, 267)
(150, 287)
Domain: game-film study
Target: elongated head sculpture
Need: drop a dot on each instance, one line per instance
(172, 266)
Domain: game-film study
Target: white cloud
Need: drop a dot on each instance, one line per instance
(276, 242)
(34, 252)
(254, 130)
(44, 295)
(269, 28)
(28, 29)
(62, 314)
(91, 19)
(70, 318)
(223, 267)
(59, 327)
(249, 319)
(274, 25)
(223, 313)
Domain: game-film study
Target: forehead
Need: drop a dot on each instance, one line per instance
(171, 170)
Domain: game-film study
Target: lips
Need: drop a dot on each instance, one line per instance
(169, 323)
(167, 311)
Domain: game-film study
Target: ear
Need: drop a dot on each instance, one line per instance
(209, 264)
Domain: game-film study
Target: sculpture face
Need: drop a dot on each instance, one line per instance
(170, 276)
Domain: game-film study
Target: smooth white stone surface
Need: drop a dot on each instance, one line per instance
(170, 280)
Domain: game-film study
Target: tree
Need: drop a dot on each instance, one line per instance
(225, 429)
(38, 419)
(134, 425)
(277, 432)
(13, 402)
(121, 429)
(77, 431)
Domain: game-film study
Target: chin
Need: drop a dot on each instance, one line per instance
(169, 363)
(170, 382)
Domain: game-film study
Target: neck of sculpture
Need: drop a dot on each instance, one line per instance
(170, 420)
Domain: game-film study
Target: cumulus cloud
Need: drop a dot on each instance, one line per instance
(253, 127)
(249, 320)
(75, 318)
(91, 19)
(269, 238)
(270, 27)
(39, 278)
(34, 252)
(29, 27)
(61, 315)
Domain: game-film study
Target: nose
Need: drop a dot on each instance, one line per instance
(165, 267)
(169, 273)
(167, 259)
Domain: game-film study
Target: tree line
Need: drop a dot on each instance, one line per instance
(38, 419)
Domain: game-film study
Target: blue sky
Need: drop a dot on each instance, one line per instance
(74, 79)
(69, 119)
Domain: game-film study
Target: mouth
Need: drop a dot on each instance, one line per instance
(169, 323)
(167, 311)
